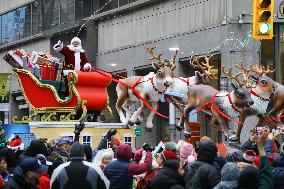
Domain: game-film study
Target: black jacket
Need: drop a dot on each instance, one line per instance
(77, 174)
(167, 178)
(201, 175)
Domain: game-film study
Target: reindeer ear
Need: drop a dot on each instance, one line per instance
(234, 86)
(254, 78)
(155, 65)
(198, 75)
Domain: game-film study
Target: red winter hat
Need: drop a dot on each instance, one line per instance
(167, 155)
(249, 155)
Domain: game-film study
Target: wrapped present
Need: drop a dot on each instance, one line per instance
(14, 59)
(48, 72)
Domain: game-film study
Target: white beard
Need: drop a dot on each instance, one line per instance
(76, 49)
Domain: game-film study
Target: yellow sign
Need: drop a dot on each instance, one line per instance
(5, 87)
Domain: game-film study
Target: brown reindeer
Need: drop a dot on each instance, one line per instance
(149, 87)
(265, 92)
(180, 85)
(232, 104)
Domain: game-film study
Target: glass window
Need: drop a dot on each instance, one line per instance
(16, 24)
(84, 8)
(87, 140)
(51, 13)
(36, 18)
(128, 140)
(67, 14)
(123, 2)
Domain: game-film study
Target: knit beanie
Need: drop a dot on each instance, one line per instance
(234, 155)
(172, 164)
(229, 176)
(170, 146)
(124, 151)
(186, 150)
(249, 156)
(167, 155)
(249, 178)
(77, 150)
(207, 152)
(180, 144)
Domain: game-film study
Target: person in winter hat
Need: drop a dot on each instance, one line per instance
(78, 173)
(103, 158)
(120, 172)
(186, 150)
(169, 177)
(234, 155)
(37, 146)
(26, 175)
(171, 146)
(229, 176)
(249, 156)
(202, 173)
(179, 145)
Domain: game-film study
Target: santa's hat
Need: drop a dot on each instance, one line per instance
(168, 154)
(76, 39)
(249, 155)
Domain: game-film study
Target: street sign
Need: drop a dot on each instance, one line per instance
(138, 132)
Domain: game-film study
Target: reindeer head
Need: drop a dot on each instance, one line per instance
(164, 68)
(207, 75)
(241, 96)
(262, 82)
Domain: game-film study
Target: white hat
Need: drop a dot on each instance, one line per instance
(77, 39)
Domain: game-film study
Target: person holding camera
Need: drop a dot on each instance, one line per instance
(121, 171)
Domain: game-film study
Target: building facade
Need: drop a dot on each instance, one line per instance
(116, 39)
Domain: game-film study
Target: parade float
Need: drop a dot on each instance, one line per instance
(87, 91)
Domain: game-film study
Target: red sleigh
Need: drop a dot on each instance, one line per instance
(87, 91)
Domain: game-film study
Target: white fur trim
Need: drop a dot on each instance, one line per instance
(249, 158)
(77, 39)
(87, 66)
(77, 61)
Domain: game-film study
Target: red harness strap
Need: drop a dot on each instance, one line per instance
(155, 88)
(257, 95)
(232, 104)
(185, 80)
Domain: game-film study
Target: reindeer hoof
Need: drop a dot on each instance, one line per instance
(130, 123)
(187, 134)
(138, 122)
(148, 129)
(179, 128)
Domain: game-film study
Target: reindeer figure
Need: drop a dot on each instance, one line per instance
(264, 92)
(149, 87)
(180, 85)
(213, 103)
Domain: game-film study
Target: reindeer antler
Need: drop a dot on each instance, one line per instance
(205, 67)
(158, 58)
(260, 70)
(173, 60)
(245, 72)
(231, 77)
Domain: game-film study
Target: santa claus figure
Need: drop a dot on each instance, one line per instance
(75, 57)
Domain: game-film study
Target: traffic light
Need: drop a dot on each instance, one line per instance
(263, 11)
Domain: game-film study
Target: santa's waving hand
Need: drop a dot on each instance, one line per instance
(75, 57)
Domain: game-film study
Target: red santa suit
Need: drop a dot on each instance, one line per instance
(75, 58)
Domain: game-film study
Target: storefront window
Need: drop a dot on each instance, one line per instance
(51, 13)
(67, 14)
(36, 18)
(16, 24)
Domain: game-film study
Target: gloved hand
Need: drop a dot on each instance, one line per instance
(148, 147)
(79, 127)
(110, 133)
(58, 46)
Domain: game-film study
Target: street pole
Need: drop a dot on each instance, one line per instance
(172, 121)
